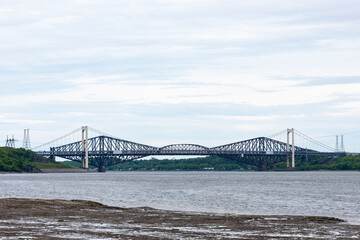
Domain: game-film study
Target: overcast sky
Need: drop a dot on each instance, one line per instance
(180, 71)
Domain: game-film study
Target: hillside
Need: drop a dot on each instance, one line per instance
(213, 163)
(320, 163)
(21, 160)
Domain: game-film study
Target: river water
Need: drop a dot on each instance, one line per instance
(334, 194)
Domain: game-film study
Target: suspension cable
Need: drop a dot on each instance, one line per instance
(277, 134)
(57, 139)
(314, 141)
(100, 132)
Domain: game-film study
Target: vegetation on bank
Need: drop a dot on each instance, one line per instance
(21, 160)
(321, 163)
(210, 163)
(214, 163)
(74, 164)
(193, 164)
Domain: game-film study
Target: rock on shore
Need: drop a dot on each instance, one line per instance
(76, 219)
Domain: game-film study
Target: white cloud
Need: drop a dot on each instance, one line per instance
(256, 93)
(349, 109)
(9, 118)
(254, 117)
(60, 60)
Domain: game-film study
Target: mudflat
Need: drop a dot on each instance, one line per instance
(77, 219)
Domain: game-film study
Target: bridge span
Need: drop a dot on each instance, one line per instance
(103, 151)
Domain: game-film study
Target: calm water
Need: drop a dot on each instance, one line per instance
(298, 193)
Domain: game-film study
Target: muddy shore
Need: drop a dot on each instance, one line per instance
(77, 219)
(54, 170)
(66, 170)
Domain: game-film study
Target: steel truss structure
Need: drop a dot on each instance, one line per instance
(106, 151)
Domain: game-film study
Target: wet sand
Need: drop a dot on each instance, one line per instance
(77, 219)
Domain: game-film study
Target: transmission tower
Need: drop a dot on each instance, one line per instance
(26, 141)
(10, 142)
(342, 146)
(337, 143)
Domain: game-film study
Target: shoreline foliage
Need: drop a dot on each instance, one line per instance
(21, 160)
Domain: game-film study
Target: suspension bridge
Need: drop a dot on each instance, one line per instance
(101, 150)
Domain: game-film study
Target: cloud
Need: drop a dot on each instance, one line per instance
(227, 68)
(257, 93)
(312, 81)
(349, 109)
(254, 118)
(8, 118)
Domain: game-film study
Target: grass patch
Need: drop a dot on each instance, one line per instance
(49, 165)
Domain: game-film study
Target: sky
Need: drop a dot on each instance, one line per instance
(160, 72)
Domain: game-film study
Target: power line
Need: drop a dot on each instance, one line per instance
(334, 135)
(353, 132)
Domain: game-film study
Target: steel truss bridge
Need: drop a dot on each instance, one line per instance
(103, 151)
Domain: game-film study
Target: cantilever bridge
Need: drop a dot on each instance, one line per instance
(103, 150)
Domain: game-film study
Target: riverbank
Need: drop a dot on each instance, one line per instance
(66, 170)
(221, 164)
(21, 160)
(55, 170)
(77, 219)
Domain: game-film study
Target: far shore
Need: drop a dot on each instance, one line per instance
(66, 170)
(81, 170)
(55, 170)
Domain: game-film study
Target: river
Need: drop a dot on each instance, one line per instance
(335, 194)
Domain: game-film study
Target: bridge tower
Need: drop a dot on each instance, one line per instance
(292, 131)
(84, 147)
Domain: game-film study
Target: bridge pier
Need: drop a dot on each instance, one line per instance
(52, 154)
(52, 158)
(262, 167)
(305, 158)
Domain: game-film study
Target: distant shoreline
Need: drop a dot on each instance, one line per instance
(54, 170)
(66, 170)
(80, 170)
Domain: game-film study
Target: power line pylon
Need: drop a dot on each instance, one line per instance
(342, 145)
(337, 143)
(26, 141)
(10, 142)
